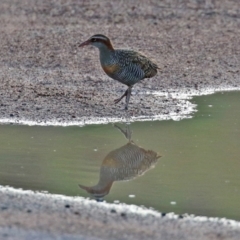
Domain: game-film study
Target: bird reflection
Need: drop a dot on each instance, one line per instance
(124, 163)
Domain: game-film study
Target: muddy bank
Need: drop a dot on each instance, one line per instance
(45, 77)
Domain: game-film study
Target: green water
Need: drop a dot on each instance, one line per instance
(198, 171)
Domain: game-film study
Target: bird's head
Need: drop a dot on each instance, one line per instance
(99, 41)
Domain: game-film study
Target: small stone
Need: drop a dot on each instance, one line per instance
(123, 215)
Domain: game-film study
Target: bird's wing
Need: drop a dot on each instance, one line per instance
(129, 57)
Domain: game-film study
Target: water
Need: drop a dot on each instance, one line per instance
(194, 165)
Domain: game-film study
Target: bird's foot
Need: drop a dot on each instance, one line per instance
(117, 100)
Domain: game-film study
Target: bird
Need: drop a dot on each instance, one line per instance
(124, 65)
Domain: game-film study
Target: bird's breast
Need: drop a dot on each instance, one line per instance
(110, 70)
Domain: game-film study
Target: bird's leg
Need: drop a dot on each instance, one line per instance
(129, 90)
(119, 99)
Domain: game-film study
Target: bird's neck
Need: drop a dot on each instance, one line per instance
(105, 53)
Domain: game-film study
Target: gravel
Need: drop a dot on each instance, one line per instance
(35, 215)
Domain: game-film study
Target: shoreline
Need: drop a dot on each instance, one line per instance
(186, 110)
(60, 217)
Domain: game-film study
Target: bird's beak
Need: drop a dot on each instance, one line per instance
(84, 43)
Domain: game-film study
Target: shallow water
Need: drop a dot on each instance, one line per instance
(194, 165)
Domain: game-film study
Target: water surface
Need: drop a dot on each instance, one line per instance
(190, 166)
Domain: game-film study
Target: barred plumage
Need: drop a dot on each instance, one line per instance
(125, 66)
(131, 66)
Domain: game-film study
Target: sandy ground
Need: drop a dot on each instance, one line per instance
(28, 215)
(46, 78)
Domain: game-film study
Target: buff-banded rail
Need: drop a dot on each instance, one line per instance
(126, 66)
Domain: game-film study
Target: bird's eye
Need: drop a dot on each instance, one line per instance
(94, 39)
